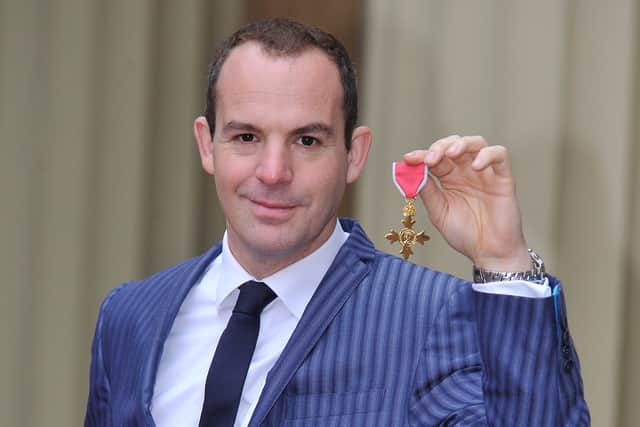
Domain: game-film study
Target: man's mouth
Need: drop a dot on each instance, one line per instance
(272, 210)
(271, 204)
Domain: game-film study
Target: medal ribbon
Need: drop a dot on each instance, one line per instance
(409, 179)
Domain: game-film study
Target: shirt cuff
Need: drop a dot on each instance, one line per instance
(516, 288)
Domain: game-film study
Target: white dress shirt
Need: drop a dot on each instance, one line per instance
(178, 394)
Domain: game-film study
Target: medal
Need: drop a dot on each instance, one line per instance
(409, 179)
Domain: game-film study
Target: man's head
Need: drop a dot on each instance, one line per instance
(278, 152)
(285, 38)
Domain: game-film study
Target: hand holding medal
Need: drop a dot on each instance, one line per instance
(473, 205)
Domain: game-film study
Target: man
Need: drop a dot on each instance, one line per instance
(339, 333)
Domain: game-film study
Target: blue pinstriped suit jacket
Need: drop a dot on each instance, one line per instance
(383, 342)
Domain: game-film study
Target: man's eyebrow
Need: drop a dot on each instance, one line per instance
(239, 126)
(315, 128)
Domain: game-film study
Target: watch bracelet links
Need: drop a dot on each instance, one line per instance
(536, 274)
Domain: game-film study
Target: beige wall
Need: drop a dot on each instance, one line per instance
(100, 178)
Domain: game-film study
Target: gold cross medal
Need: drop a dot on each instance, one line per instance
(409, 179)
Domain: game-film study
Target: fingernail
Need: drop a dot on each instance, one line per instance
(453, 148)
(431, 156)
(410, 153)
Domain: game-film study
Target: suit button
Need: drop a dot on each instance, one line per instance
(566, 349)
(568, 365)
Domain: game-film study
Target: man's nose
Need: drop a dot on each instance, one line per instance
(274, 164)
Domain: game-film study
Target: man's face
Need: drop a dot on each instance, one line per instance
(278, 154)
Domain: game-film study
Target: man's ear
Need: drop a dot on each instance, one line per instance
(205, 144)
(358, 153)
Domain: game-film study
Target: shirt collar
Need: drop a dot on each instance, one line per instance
(294, 284)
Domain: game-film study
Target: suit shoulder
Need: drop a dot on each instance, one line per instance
(158, 287)
(131, 288)
(390, 270)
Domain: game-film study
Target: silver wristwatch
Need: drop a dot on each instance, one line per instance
(536, 274)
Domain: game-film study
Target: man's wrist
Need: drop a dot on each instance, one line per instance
(518, 260)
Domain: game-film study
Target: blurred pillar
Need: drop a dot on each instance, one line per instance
(629, 370)
(593, 224)
(47, 72)
(20, 129)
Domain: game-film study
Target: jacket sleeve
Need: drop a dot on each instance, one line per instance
(499, 360)
(98, 404)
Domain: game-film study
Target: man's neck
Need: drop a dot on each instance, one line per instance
(261, 265)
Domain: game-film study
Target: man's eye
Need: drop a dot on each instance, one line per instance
(246, 137)
(307, 141)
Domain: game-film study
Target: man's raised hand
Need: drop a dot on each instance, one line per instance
(475, 207)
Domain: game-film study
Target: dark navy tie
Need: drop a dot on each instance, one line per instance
(231, 360)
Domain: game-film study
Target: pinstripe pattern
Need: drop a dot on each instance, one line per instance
(383, 342)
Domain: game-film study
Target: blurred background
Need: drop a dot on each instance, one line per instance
(101, 181)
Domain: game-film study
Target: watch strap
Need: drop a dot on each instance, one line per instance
(536, 274)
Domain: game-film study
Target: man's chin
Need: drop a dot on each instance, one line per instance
(278, 241)
(274, 245)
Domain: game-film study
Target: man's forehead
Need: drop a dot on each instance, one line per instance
(253, 61)
(249, 73)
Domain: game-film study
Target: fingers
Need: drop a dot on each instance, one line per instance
(495, 157)
(434, 154)
(465, 146)
(434, 157)
(447, 153)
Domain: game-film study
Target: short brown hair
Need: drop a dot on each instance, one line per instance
(284, 37)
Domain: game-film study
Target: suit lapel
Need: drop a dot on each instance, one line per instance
(345, 274)
(174, 291)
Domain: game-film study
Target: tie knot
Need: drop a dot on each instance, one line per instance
(254, 297)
